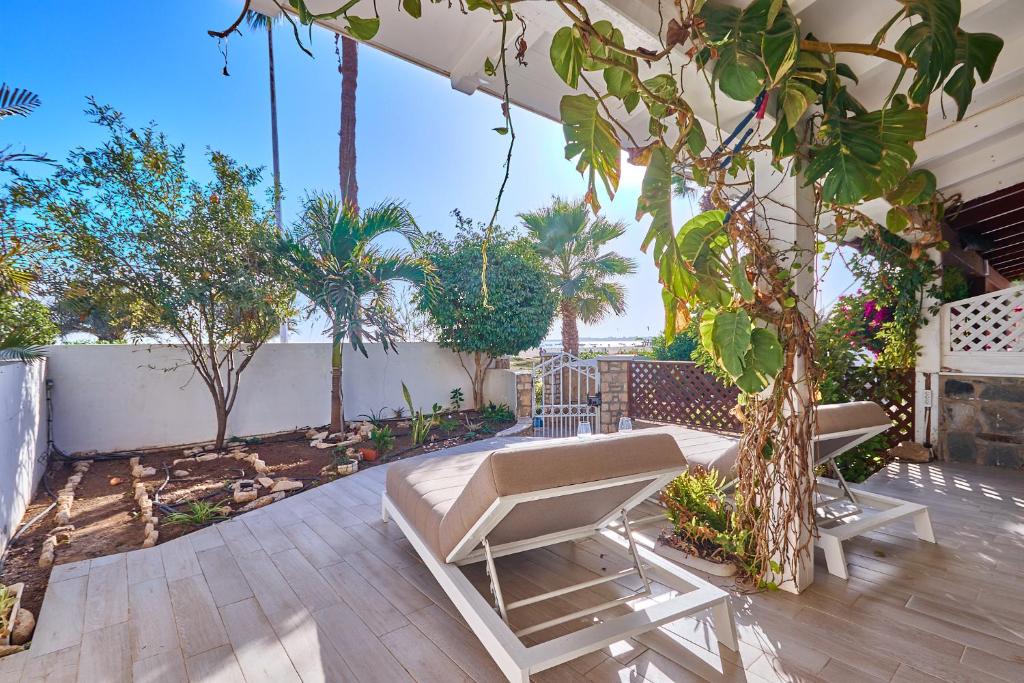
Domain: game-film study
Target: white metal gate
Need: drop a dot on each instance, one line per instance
(560, 402)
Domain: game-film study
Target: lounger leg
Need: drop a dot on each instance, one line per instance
(923, 526)
(834, 556)
(383, 510)
(725, 627)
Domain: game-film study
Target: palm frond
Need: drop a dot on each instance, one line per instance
(387, 217)
(614, 263)
(17, 101)
(25, 354)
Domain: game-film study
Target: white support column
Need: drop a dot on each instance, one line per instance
(926, 376)
(790, 226)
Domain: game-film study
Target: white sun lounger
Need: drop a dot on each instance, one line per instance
(461, 509)
(838, 428)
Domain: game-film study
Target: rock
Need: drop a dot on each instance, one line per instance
(262, 501)
(140, 490)
(322, 445)
(260, 466)
(311, 433)
(148, 471)
(149, 529)
(116, 481)
(150, 539)
(62, 517)
(208, 457)
(909, 451)
(180, 473)
(10, 650)
(137, 471)
(244, 490)
(319, 436)
(134, 462)
(265, 482)
(286, 485)
(336, 435)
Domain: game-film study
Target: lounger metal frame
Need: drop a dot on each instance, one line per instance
(490, 622)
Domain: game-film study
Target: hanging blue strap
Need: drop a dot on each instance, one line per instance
(742, 200)
(746, 119)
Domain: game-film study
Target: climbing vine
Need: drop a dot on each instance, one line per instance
(805, 121)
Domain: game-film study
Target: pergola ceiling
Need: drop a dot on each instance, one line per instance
(975, 157)
(995, 223)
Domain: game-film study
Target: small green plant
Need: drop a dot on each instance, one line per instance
(420, 422)
(7, 600)
(376, 417)
(199, 512)
(704, 520)
(383, 439)
(457, 398)
(398, 412)
(448, 425)
(498, 413)
(341, 460)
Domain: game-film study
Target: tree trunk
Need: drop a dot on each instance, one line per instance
(481, 364)
(337, 416)
(222, 424)
(570, 333)
(348, 67)
(273, 127)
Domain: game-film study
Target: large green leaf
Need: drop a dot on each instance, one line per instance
(931, 43)
(762, 363)
(362, 29)
(864, 156)
(730, 336)
(413, 7)
(756, 46)
(702, 240)
(975, 53)
(591, 138)
(567, 55)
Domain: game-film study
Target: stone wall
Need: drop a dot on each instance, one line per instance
(524, 393)
(614, 371)
(981, 420)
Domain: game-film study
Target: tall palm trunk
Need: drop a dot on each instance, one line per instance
(273, 127)
(337, 393)
(348, 67)
(570, 333)
(274, 146)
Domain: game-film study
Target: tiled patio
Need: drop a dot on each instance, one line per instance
(317, 588)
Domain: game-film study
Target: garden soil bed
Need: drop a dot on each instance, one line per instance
(106, 517)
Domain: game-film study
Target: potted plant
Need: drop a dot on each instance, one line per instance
(345, 465)
(10, 602)
(704, 534)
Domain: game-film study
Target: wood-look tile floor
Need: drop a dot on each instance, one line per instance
(317, 588)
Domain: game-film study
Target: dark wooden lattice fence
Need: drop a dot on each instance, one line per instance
(879, 385)
(680, 392)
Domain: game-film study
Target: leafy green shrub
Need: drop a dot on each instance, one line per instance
(704, 521)
(954, 285)
(25, 322)
(420, 423)
(383, 439)
(498, 413)
(457, 398)
(680, 348)
(199, 512)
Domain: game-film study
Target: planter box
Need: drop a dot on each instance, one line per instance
(694, 562)
(17, 589)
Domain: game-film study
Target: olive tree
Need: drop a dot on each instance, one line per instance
(520, 300)
(192, 257)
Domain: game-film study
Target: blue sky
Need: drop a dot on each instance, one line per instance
(418, 140)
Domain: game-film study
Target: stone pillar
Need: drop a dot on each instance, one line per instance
(524, 393)
(614, 387)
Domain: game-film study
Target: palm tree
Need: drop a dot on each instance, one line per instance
(570, 240)
(334, 261)
(257, 21)
(348, 67)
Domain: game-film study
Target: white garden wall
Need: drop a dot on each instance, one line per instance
(22, 440)
(120, 397)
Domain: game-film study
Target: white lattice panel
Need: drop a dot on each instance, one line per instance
(988, 323)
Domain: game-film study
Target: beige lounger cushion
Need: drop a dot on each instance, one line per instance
(832, 419)
(444, 497)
